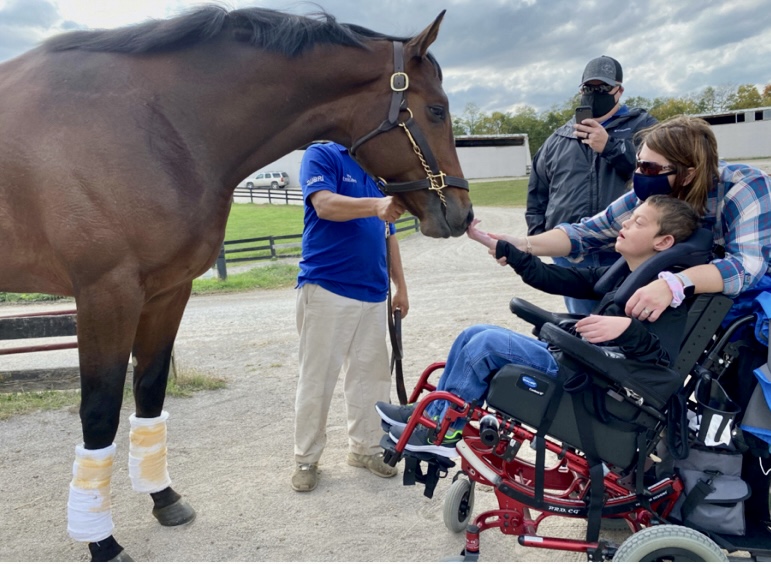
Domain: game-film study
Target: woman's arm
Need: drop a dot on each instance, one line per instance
(656, 296)
(575, 240)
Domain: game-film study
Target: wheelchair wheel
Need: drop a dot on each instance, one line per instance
(669, 543)
(458, 505)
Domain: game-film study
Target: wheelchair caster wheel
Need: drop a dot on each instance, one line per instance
(458, 505)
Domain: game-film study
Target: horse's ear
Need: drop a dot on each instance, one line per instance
(418, 45)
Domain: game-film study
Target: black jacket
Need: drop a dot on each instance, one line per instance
(658, 342)
(569, 181)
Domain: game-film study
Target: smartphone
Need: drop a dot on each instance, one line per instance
(582, 113)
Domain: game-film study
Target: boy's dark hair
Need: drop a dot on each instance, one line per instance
(676, 217)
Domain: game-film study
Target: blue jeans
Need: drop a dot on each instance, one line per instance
(585, 307)
(477, 352)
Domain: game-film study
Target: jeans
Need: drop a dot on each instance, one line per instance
(575, 305)
(479, 351)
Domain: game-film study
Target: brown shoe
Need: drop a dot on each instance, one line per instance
(305, 477)
(373, 462)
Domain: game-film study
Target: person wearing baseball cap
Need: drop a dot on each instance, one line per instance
(582, 167)
(601, 87)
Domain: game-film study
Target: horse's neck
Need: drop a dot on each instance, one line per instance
(262, 106)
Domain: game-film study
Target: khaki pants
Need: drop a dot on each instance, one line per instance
(339, 333)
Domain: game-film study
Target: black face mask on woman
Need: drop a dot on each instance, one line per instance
(600, 103)
(646, 186)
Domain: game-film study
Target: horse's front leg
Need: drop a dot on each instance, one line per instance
(152, 350)
(107, 321)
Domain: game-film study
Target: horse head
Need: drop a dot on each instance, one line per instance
(413, 152)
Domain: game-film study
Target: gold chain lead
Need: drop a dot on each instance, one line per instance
(432, 178)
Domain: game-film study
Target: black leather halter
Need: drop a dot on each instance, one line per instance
(435, 179)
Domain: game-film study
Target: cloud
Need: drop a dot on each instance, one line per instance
(25, 23)
(501, 54)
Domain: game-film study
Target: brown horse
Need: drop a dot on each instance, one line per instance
(120, 150)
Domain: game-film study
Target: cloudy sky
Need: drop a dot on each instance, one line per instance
(499, 54)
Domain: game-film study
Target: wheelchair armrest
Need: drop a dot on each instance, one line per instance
(586, 353)
(537, 315)
(649, 383)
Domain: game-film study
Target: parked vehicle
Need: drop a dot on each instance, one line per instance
(267, 180)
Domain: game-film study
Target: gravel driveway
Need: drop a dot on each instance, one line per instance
(230, 451)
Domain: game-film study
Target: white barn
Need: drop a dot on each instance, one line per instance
(742, 134)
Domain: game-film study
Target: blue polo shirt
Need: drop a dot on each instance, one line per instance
(347, 258)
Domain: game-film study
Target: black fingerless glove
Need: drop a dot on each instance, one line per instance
(514, 257)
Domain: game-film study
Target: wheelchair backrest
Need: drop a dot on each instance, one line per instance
(705, 314)
(695, 250)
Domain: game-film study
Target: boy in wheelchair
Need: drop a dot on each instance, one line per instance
(481, 350)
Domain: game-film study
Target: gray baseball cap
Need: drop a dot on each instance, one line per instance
(606, 69)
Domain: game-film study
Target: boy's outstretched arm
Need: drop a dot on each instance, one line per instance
(551, 278)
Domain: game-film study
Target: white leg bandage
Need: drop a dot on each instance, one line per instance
(89, 516)
(147, 454)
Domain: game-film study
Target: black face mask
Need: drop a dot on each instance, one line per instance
(601, 103)
(646, 186)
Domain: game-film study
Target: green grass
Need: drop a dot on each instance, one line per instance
(271, 275)
(247, 221)
(500, 193)
(190, 381)
(19, 403)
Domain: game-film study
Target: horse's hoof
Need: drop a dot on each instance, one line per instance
(178, 513)
(122, 557)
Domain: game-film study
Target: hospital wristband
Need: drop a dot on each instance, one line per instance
(675, 286)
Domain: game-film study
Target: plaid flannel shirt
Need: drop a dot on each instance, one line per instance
(738, 213)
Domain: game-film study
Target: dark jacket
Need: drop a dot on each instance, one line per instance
(657, 342)
(569, 181)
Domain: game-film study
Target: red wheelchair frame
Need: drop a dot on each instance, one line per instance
(513, 480)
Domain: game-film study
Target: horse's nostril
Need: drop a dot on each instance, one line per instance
(470, 216)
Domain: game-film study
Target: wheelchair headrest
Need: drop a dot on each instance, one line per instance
(695, 250)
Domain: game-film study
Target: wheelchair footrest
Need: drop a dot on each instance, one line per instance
(436, 466)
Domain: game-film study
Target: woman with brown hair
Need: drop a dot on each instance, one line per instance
(680, 157)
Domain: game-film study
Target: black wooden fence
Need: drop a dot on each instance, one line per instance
(278, 246)
(268, 195)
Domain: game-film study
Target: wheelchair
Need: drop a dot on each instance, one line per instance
(614, 429)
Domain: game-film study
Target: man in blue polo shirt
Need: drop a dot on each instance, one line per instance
(342, 294)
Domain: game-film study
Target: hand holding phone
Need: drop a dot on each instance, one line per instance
(582, 113)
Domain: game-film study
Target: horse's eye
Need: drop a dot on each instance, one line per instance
(437, 112)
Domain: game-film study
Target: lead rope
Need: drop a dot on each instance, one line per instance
(395, 331)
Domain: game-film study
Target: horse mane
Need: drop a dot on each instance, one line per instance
(272, 30)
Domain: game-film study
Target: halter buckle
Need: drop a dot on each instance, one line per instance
(400, 81)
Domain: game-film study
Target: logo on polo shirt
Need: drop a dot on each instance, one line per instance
(349, 178)
(314, 179)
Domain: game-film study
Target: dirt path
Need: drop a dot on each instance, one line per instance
(230, 451)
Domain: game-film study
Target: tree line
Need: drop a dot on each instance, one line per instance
(538, 126)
